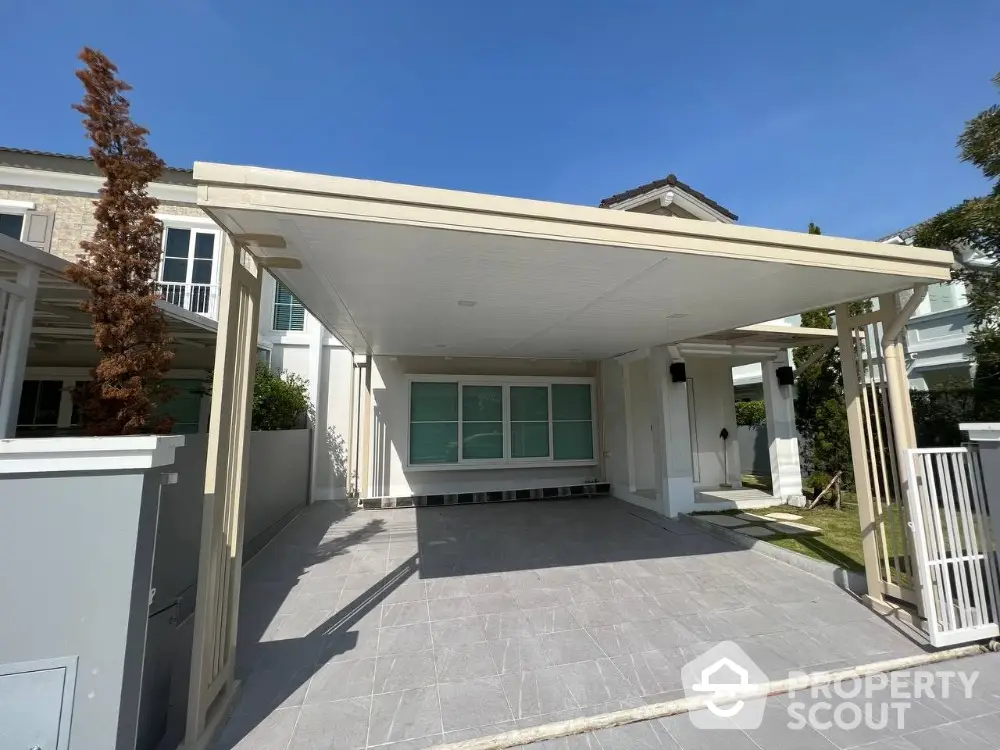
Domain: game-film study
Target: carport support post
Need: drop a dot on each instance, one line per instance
(18, 302)
(859, 452)
(783, 441)
(673, 435)
(212, 683)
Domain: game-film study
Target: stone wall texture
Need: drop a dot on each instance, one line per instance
(74, 215)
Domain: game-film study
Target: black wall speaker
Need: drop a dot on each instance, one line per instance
(786, 376)
(678, 372)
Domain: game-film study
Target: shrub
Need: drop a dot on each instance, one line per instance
(280, 401)
(750, 413)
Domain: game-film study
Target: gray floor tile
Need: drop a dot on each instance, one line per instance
(512, 655)
(987, 727)
(646, 735)
(652, 672)
(404, 671)
(461, 630)
(445, 588)
(404, 639)
(488, 604)
(506, 625)
(534, 693)
(449, 609)
(344, 679)
(258, 731)
(595, 682)
(569, 646)
(493, 583)
(406, 715)
(616, 640)
(555, 716)
(457, 663)
(542, 598)
(342, 725)
(690, 737)
(473, 703)
(664, 634)
(779, 730)
(951, 736)
(599, 613)
(421, 743)
(404, 613)
(551, 620)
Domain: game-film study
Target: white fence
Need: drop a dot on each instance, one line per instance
(956, 554)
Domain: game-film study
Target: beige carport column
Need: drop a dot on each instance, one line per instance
(212, 682)
(672, 434)
(783, 441)
(880, 421)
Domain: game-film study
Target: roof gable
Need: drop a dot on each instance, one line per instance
(672, 181)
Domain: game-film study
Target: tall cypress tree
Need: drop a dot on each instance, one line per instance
(118, 265)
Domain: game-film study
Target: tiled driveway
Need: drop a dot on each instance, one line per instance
(407, 628)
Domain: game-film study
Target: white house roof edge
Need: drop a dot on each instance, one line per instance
(917, 263)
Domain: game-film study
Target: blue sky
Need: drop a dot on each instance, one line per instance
(786, 112)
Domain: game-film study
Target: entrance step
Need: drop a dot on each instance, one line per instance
(729, 499)
(587, 489)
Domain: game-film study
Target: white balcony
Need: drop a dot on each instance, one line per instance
(198, 298)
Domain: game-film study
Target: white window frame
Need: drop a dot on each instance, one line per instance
(17, 208)
(195, 225)
(274, 304)
(507, 462)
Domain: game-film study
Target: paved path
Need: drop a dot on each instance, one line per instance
(404, 628)
(960, 722)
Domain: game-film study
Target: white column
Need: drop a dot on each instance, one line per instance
(317, 388)
(783, 441)
(672, 436)
(17, 309)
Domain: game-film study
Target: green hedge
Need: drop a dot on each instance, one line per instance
(750, 413)
(936, 415)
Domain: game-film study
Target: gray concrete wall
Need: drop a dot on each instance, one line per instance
(77, 553)
(277, 489)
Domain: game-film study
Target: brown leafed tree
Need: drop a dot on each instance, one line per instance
(118, 265)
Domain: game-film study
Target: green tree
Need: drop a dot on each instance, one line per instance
(974, 225)
(280, 400)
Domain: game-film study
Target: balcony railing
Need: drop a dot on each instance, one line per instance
(198, 298)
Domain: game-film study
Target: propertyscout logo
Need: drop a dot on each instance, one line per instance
(727, 677)
(725, 668)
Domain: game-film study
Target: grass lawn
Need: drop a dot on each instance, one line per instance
(840, 541)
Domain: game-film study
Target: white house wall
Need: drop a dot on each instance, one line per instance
(715, 409)
(389, 475)
(615, 426)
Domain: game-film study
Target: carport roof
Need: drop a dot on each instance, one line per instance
(58, 319)
(404, 270)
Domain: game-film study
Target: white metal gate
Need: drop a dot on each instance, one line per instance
(956, 555)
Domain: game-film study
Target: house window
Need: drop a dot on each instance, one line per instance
(482, 422)
(525, 422)
(289, 314)
(529, 421)
(434, 423)
(572, 422)
(11, 225)
(187, 271)
(38, 411)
